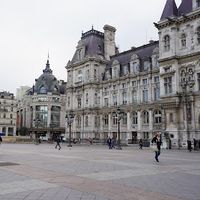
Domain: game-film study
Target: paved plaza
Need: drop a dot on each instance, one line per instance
(41, 172)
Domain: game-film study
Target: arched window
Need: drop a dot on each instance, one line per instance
(167, 43)
(145, 117)
(135, 118)
(198, 35)
(183, 40)
(157, 117)
(43, 90)
(114, 118)
(78, 121)
(124, 118)
(86, 98)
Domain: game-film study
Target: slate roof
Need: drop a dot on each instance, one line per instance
(48, 82)
(185, 7)
(144, 53)
(93, 44)
(171, 10)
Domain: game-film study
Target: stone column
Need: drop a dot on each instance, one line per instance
(150, 120)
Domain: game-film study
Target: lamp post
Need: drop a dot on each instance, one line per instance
(187, 83)
(37, 122)
(69, 117)
(118, 129)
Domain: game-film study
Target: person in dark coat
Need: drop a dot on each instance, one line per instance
(1, 140)
(157, 140)
(189, 145)
(140, 143)
(109, 142)
(58, 143)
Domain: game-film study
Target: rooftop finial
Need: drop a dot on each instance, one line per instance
(92, 27)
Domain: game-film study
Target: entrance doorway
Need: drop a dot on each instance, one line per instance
(134, 137)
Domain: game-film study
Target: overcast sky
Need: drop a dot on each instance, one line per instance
(31, 28)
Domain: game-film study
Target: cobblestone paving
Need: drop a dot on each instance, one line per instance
(97, 173)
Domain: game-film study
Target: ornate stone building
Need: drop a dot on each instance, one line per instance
(8, 107)
(156, 86)
(42, 108)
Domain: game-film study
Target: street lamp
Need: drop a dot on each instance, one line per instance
(118, 129)
(187, 83)
(37, 122)
(69, 117)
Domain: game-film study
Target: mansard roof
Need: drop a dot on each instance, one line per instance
(143, 52)
(170, 10)
(91, 45)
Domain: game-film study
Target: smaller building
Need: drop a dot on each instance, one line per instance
(41, 111)
(8, 108)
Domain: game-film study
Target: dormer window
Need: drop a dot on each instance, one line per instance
(43, 90)
(146, 65)
(167, 43)
(183, 40)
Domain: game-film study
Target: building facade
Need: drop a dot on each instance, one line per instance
(156, 86)
(42, 108)
(8, 108)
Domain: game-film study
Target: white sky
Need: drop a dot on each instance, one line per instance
(31, 28)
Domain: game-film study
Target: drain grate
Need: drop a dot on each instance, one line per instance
(3, 164)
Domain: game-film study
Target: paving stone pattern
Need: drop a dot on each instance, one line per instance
(41, 172)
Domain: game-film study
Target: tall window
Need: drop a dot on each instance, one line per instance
(145, 117)
(134, 96)
(198, 35)
(114, 99)
(97, 121)
(78, 122)
(135, 118)
(86, 99)
(168, 85)
(55, 116)
(106, 102)
(42, 115)
(167, 43)
(124, 118)
(145, 90)
(86, 121)
(106, 120)
(79, 102)
(95, 74)
(68, 101)
(124, 97)
(198, 80)
(115, 118)
(183, 40)
(156, 88)
(157, 117)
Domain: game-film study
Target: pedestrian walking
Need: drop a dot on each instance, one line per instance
(140, 143)
(58, 143)
(189, 145)
(113, 143)
(157, 142)
(109, 142)
(1, 140)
